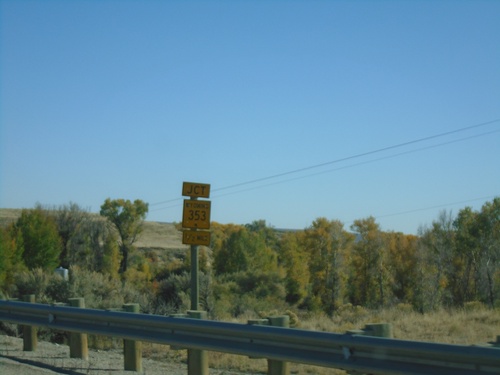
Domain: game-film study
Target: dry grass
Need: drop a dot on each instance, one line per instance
(160, 235)
(462, 326)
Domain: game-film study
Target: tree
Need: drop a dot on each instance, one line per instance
(128, 219)
(489, 243)
(402, 250)
(435, 254)
(328, 245)
(370, 277)
(4, 242)
(11, 259)
(40, 239)
(220, 234)
(295, 261)
(267, 232)
(244, 250)
(69, 219)
(94, 246)
(466, 257)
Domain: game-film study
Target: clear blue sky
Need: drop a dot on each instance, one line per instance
(128, 99)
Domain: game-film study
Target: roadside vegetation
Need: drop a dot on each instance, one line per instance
(442, 285)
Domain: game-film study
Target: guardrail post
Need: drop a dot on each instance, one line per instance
(278, 367)
(375, 330)
(378, 330)
(78, 342)
(496, 344)
(30, 339)
(197, 359)
(132, 350)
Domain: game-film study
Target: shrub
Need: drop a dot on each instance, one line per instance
(99, 291)
(172, 294)
(58, 289)
(41, 242)
(33, 282)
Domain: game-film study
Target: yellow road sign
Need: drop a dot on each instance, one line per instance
(196, 214)
(196, 237)
(195, 189)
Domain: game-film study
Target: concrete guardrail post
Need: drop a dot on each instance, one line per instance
(132, 350)
(78, 342)
(374, 330)
(496, 344)
(30, 339)
(278, 367)
(197, 359)
(379, 330)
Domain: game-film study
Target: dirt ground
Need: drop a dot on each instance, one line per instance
(54, 359)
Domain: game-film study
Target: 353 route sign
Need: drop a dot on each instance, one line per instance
(196, 214)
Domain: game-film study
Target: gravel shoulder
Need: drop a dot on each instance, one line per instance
(54, 359)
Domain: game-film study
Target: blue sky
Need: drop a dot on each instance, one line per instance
(128, 99)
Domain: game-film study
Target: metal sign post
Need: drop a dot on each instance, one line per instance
(195, 278)
(195, 216)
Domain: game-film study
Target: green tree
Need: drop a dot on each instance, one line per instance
(466, 258)
(402, 250)
(243, 250)
(128, 218)
(70, 219)
(295, 261)
(3, 250)
(94, 246)
(489, 243)
(267, 232)
(370, 276)
(12, 254)
(328, 246)
(110, 256)
(435, 253)
(220, 234)
(41, 243)
(232, 257)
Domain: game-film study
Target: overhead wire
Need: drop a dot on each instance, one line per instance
(372, 152)
(361, 163)
(399, 145)
(436, 206)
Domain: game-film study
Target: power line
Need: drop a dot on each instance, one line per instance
(360, 163)
(357, 155)
(399, 145)
(436, 206)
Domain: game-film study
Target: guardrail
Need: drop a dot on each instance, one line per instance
(351, 352)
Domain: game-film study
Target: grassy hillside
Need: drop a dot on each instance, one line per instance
(160, 235)
(8, 215)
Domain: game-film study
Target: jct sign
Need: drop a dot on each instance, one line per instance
(194, 189)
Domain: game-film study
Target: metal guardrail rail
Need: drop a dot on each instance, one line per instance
(353, 353)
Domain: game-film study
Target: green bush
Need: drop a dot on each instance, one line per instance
(99, 291)
(40, 239)
(33, 282)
